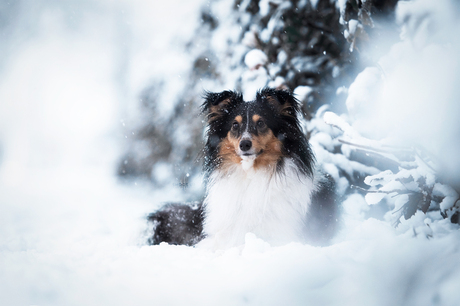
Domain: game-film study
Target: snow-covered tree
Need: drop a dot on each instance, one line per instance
(348, 57)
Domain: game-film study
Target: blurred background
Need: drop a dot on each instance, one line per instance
(119, 83)
(100, 122)
(74, 74)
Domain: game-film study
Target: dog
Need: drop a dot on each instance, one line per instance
(260, 177)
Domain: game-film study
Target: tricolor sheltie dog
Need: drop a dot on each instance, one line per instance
(260, 178)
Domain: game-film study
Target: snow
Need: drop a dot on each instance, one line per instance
(341, 5)
(274, 21)
(336, 121)
(72, 234)
(250, 38)
(255, 58)
(264, 7)
(302, 92)
(362, 95)
(411, 93)
(451, 196)
(352, 26)
(252, 81)
(78, 243)
(374, 198)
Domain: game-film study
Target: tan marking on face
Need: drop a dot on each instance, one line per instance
(271, 148)
(227, 151)
(255, 118)
(239, 119)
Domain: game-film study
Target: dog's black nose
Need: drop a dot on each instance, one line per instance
(245, 145)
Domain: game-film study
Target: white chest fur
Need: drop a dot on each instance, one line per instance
(269, 204)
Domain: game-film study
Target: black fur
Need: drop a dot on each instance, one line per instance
(218, 108)
(287, 127)
(323, 216)
(280, 109)
(177, 223)
(183, 223)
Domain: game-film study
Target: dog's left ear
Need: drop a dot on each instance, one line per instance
(216, 104)
(282, 101)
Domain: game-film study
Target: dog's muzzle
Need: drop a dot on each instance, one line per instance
(245, 145)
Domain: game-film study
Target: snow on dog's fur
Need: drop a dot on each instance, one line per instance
(260, 177)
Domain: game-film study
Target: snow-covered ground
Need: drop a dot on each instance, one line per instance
(72, 234)
(74, 237)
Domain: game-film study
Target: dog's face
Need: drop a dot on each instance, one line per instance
(255, 130)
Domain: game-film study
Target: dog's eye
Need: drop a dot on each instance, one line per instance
(260, 124)
(235, 125)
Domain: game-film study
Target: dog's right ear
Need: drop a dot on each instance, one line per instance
(216, 104)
